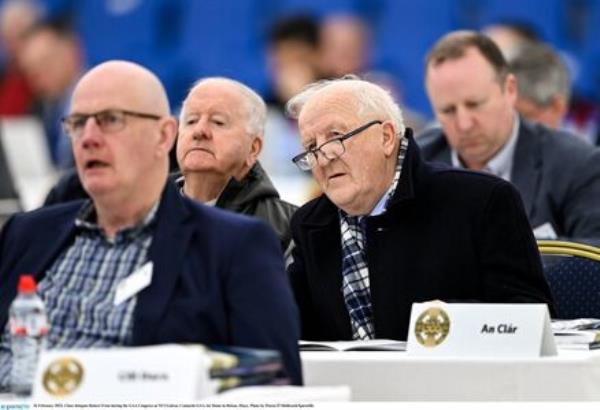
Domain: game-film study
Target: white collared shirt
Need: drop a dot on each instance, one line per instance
(500, 164)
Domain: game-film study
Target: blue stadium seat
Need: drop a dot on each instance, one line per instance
(573, 273)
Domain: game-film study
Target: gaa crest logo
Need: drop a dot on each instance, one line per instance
(62, 377)
(432, 327)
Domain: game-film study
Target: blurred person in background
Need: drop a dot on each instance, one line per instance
(16, 18)
(543, 83)
(293, 61)
(509, 36)
(345, 44)
(473, 96)
(53, 62)
(292, 57)
(582, 116)
(148, 32)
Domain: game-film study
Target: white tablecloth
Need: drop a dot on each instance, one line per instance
(393, 376)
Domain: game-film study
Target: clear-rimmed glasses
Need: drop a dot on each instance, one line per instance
(108, 121)
(332, 149)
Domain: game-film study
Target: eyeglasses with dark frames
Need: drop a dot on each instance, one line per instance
(332, 149)
(108, 121)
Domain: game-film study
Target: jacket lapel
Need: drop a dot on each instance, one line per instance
(385, 279)
(56, 243)
(169, 244)
(324, 270)
(527, 166)
(51, 239)
(410, 169)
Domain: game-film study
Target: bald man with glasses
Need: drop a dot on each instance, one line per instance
(108, 121)
(203, 275)
(391, 229)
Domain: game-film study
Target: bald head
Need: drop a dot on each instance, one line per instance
(121, 132)
(131, 86)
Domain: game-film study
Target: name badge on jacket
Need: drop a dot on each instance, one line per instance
(134, 283)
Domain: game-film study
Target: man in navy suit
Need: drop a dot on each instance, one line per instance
(473, 96)
(215, 277)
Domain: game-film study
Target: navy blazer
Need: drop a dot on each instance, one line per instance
(219, 278)
(557, 175)
(447, 234)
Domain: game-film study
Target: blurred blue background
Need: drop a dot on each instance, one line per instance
(182, 40)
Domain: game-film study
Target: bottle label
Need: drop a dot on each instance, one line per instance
(33, 325)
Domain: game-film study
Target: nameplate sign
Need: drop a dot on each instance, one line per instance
(480, 330)
(164, 373)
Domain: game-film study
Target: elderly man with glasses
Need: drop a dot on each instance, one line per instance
(139, 263)
(391, 229)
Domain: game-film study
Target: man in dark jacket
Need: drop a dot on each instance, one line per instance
(221, 128)
(392, 229)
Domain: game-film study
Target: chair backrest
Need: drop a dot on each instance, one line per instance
(28, 160)
(573, 274)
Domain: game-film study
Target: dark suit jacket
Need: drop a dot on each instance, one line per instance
(447, 234)
(218, 277)
(557, 175)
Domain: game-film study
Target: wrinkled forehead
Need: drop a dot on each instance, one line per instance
(216, 95)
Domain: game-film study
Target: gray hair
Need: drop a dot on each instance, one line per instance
(541, 74)
(370, 99)
(255, 107)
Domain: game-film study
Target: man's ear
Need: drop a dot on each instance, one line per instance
(510, 89)
(255, 150)
(167, 135)
(560, 107)
(389, 137)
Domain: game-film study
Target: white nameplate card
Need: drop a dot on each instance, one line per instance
(164, 373)
(480, 330)
(134, 283)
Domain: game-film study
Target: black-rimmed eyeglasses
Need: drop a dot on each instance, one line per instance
(108, 121)
(332, 149)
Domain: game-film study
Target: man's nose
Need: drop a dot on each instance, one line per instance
(91, 132)
(322, 160)
(202, 130)
(464, 119)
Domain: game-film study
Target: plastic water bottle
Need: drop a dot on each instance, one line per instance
(28, 328)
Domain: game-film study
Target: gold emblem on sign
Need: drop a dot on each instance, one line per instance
(432, 327)
(63, 376)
